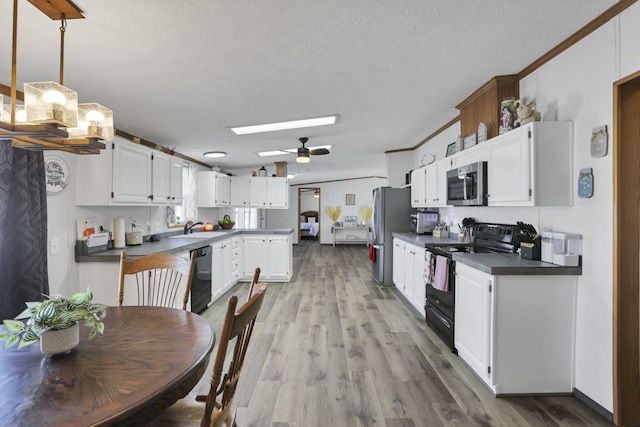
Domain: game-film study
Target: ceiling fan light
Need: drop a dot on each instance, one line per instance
(303, 158)
(50, 102)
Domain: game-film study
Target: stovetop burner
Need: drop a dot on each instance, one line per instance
(487, 238)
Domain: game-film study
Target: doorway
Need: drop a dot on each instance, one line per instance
(626, 250)
(309, 214)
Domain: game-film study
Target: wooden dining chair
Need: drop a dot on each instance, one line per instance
(254, 281)
(219, 408)
(157, 279)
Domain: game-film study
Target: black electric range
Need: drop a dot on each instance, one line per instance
(440, 303)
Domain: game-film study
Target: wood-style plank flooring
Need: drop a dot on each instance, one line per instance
(333, 348)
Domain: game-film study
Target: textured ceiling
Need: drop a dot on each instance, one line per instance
(178, 72)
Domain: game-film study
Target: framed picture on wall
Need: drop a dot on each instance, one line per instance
(350, 199)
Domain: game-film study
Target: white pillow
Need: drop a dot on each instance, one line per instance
(311, 219)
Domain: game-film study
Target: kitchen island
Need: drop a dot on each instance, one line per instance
(235, 256)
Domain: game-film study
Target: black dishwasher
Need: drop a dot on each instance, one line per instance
(201, 282)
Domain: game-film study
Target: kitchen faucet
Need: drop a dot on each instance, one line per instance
(188, 227)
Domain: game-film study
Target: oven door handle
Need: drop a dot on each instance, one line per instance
(442, 319)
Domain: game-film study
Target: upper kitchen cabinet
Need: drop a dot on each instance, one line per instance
(531, 166)
(429, 184)
(176, 175)
(125, 173)
(239, 191)
(166, 174)
(419, 187)
(213, 189)
(269, 192)
(131, 173)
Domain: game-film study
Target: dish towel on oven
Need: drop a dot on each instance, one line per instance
(441, 280)
(429, 267)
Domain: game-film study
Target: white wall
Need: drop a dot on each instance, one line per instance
(577, 86)
(331, 194)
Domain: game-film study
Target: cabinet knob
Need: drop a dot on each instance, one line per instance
(150, 197)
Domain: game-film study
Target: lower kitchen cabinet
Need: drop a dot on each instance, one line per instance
(516, 332)
(272, 253)
(222, 277)
(408, 273)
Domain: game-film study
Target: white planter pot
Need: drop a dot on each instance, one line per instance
(60, 341)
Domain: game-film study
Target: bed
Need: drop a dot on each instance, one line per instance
(309, 227)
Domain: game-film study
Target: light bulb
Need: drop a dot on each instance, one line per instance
(21, 115)
(54, 97)
(94, 116)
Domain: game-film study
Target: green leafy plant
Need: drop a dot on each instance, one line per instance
(55, 312)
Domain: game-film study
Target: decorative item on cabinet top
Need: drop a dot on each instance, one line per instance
(526, 113)
(470, 141)
(483, 133)
(507, 115)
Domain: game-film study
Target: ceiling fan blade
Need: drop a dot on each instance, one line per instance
(319, 151)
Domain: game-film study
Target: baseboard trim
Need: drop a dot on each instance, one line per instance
(593, 404)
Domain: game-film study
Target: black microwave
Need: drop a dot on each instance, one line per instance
(467, 185)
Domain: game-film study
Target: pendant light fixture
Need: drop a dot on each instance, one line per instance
(54, 119)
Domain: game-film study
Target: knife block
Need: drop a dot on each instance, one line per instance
(531, 251)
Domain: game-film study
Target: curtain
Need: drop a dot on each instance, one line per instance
(23, 229)
(189, 193)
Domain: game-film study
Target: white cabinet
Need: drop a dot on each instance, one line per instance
(239, 189)
(436, 183)
(473, 319)
(408, 273)
(516, 332)
(125, 173)
(478, 153)
(531, 166)
(160, 178)
(429, 185)
(213, 189)
(225, 254)
(217, 281)
(176, 175)
(271, 253)
(418, 188)
(269, 192)
(236, 259)
(131, 173)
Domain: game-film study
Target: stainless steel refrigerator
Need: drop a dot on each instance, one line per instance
(391, 213)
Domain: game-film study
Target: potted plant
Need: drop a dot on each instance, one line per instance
(54, 322)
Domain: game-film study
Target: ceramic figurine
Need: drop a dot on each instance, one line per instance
(526, 113)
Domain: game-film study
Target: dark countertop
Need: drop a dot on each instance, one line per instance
(494, 264)
(426, 239)
(176, 244)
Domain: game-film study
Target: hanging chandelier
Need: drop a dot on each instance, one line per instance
(51, 118)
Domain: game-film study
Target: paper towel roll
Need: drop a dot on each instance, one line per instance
(118, 233)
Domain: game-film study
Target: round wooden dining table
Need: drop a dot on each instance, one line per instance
(148, 358)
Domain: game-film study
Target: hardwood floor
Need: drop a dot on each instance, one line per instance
(333, 348)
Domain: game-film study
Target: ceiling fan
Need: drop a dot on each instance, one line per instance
(304, 152)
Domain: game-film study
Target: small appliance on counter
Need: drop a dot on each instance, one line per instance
(561, 248)
(424, 221)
